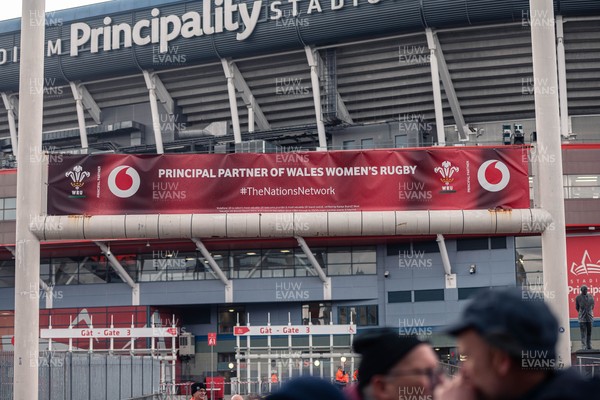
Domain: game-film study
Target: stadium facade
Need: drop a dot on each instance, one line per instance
(281, 80)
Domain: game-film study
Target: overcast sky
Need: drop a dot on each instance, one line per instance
(12, 8)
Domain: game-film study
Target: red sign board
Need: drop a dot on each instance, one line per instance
(583, 268)
(212, 339)
(373, 180)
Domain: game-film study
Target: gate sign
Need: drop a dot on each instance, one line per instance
(107, 333)
(370, 180)
(212, 339)
(294, 330)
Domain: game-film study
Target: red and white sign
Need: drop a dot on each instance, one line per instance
(583, 268)
(294, 330)
(107, 333)
(212, 339)
(373, 180)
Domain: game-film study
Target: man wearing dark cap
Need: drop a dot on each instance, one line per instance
(307, 388)
(394, 366)
(198, 391)
(508, 339)
(584, 304)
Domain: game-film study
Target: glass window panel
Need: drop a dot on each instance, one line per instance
(316, 313)
(7, 273)
(404, 296)
(246, 264)
(372, 315)
(339, 269)
(228, 316)
(465, 293)
(528, 241)
(426, 247)
(472, 244)
(339, 256)
(429, 295)
(349, 145)
(365, 269)
(363, 255)
(400, 141)
(367, 143)
(498, 242)
(10, 202)
(10, 215)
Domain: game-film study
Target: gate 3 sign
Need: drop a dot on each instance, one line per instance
(372, 180)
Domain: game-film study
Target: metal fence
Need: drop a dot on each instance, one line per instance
(86, 376)
(588, 365)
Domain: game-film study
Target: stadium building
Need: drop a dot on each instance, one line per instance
(192, 102)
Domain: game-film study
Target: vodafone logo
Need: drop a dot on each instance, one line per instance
(493, 175)
(124, 181)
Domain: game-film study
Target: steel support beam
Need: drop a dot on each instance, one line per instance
(151, 84)
(324, 278)
(235, 119)
(217, 270)
(11, 103)
(437, 90)
(550, 171)
(562, 78)
(313, 62)
(135, 288)
(89, 103)
(78, 96)
(459, 120)
(255, 113)
(29, 203)
(450, 278)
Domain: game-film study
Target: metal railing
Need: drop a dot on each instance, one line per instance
(588, 366)
(83, 376)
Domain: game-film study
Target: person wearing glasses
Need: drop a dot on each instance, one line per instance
(198, 391)
(507, 339)
(394, 366)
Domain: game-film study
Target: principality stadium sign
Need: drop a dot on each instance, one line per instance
(374, 180)
(217, 16)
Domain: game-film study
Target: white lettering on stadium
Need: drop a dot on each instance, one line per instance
(217, 16)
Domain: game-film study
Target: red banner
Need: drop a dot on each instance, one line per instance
(583, 268)
(372, 180)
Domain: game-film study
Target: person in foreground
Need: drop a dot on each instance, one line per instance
(394, 367)
(508, 338)
(307, 388)
(198, 391)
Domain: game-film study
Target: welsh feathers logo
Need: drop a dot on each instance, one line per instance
(493, 175)
(446, 171)
(124, 181)
(77, 175)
